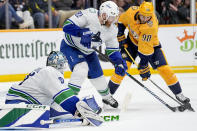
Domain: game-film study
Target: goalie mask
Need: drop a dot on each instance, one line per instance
(57, 60)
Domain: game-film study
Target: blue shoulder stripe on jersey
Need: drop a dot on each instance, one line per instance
(70, 21)
(73, 29)
(67, 22)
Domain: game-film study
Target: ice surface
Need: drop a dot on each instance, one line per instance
(144, 112)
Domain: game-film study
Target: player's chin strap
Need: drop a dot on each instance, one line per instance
(186, 106)
(174, 109)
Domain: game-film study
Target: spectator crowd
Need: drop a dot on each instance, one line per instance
(27, 14)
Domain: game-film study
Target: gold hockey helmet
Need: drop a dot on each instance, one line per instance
(146, 9)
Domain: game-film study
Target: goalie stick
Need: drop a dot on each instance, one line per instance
(174, 109)
(57, 121)
(72, 120)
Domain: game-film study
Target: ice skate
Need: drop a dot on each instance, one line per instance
(110, 101)
(185, 101)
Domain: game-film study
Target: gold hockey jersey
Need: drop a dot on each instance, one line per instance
(145, 36)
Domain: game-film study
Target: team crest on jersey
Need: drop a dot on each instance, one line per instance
(124, 55)
(150, 23)
(61, 80)
(135, 35)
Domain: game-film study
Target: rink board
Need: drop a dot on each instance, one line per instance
(21, 51)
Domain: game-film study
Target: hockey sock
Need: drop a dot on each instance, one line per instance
(176, 88)
(170, 78)
(167, 74)
(114, 83)
(100, 84)
(113, 87)
(79, 74)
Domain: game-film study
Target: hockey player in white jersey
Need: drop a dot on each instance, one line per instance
(45, 86)
(86, 29)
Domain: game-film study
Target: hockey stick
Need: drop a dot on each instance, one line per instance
(174, 109)
(164, 91)
(188, 106)
(151, 80)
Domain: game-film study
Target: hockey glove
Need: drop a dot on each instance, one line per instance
(144, 71)
(96, 40)
(90, 40)
(86, 39)
(121, 68)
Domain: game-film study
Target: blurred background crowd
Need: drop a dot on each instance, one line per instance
(29, 14)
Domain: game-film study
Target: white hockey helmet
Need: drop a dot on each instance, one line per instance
(111, 10)
(57, 60)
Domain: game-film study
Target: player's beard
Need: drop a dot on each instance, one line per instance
(108, 24)
(111, 21)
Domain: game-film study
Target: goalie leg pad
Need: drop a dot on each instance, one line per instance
(88, 114)
(23, 115)
(93, 104)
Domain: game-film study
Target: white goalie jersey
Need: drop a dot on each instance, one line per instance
(89, 19)
(41, 86)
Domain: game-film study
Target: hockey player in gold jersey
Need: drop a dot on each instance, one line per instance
(142, 41)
